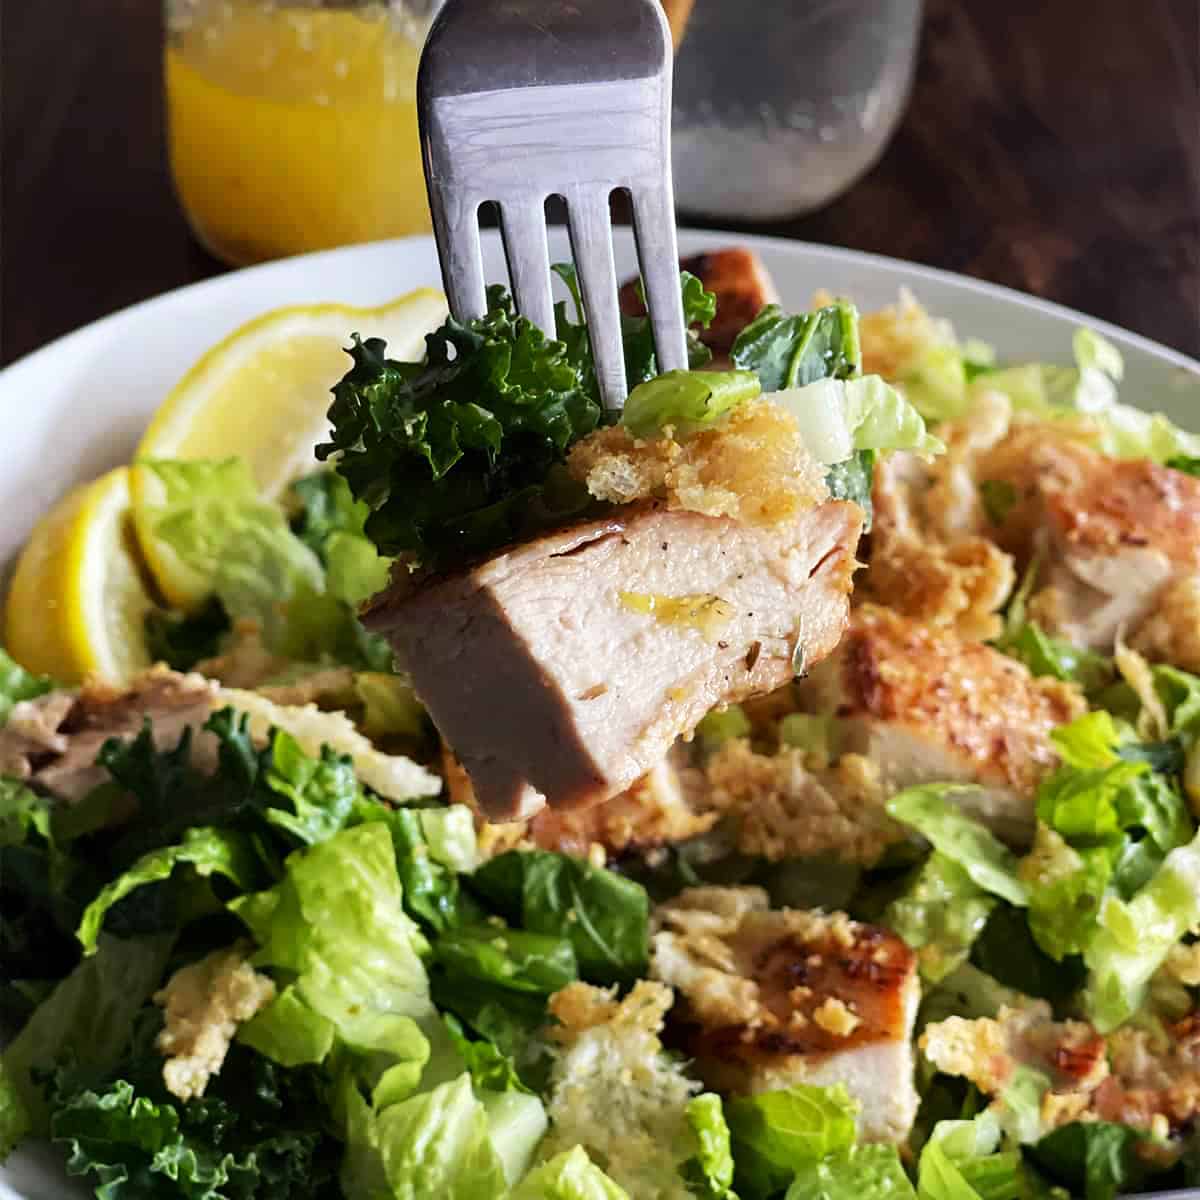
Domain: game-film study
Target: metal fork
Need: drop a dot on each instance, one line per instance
(520, 100)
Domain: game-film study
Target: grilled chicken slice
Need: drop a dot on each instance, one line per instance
(738, 279)
(926, 706)
(53, 741)
(564, 668)
(1116, 534)
(770, 998)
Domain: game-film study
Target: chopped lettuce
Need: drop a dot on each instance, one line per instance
(330, 523)
(605, 915)
(570, 1175)
(929, 810)
(86, 1019)
(17, 684)
(1134, 937)
(205, 521)
(792, 351)
(510, 958)
(720, 726)
(868, 1172)
(337, 925)
(838, 417)
(710, 1170)
(686, 401)
(206, 851)
(433, 1146)
(940, 915)
(775, 1133)
(1097, 1160)
(962, 1161)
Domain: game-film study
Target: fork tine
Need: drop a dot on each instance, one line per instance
(456, 230)
(523, 227)
(658, 258)
(590, 227)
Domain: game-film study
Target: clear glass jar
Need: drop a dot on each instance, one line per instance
(292, 124)
(782, 104)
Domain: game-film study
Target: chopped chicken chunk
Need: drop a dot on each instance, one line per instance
(53, 741)
(203, 1004)
(1149, 1079)
(738, 279)
(775, 997)
(565, 667)
(926, 706)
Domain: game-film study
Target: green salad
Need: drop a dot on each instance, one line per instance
(256, 943)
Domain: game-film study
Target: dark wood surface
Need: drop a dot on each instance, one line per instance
(1052, 145)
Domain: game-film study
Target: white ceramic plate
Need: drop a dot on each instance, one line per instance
(76, 407)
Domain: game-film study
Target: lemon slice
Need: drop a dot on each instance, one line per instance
(78, 602)
(262, 393)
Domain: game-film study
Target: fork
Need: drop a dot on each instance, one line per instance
(521, 100)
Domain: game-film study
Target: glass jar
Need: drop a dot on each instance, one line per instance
(292, 124)
(779, 109)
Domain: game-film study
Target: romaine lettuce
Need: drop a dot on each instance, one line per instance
(792, 351)
(940, 915)
(687, 401)
(336, 924)
(869, 1172)
(605, 915)
(17, 684)
(1134, 937)
(991, 865)
(710, 1171)
(570, 1175)
(775, 1133)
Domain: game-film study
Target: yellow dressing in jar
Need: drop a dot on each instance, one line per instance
(294, 128)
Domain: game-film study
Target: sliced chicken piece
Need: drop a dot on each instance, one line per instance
(655, 811)
(1116, 534)
(53, 741)
(564, 668)
(925, 706)
(738, 279)
(770, 998)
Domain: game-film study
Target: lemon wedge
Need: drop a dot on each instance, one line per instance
(262, 393)
(78, 602)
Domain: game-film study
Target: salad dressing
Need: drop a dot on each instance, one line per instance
(294, 129)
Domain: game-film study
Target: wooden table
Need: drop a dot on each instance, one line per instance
(1052, 145)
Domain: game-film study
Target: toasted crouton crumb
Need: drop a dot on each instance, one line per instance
(753, 467)
(204, 1003)
(835, 1017)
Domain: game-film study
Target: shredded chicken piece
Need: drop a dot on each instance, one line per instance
(203, 1005)
(784, 810)
(753, 466)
